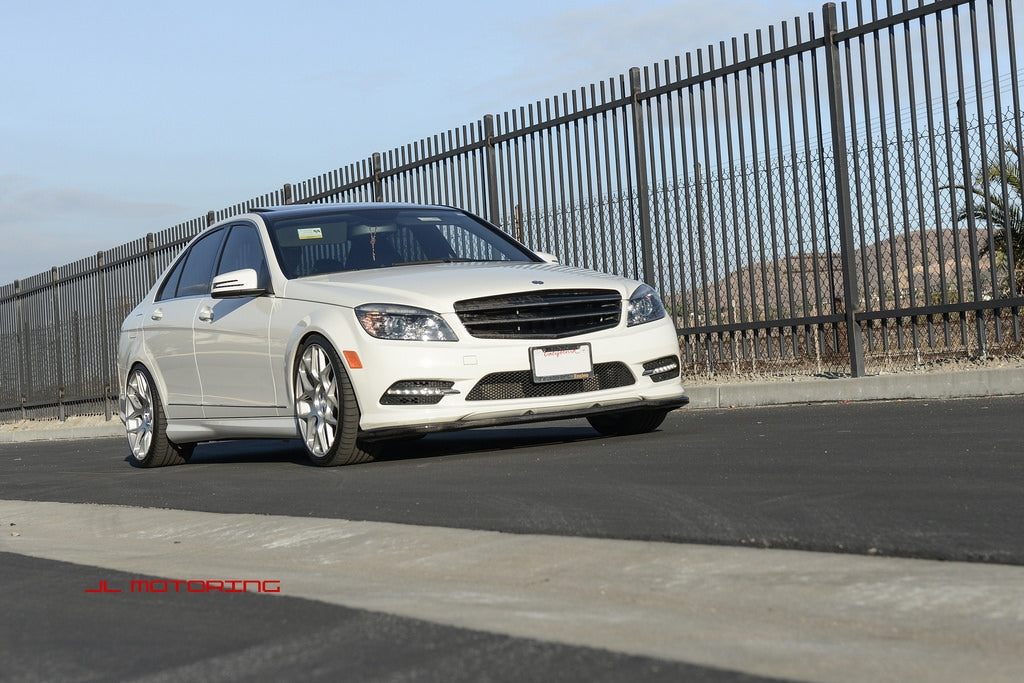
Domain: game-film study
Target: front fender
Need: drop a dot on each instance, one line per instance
(294, 321)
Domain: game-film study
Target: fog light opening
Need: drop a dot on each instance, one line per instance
(662, 369)
(418, 392)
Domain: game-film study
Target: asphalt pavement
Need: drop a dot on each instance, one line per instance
(92, 548)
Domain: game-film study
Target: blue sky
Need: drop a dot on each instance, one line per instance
(124, 117)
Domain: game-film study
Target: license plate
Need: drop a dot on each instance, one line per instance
(565, 361)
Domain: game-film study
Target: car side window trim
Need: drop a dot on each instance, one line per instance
(257, 260)
(181, 268)
(170, 283)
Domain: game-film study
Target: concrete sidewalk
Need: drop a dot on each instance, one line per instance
(1002, 381)
(785, 614)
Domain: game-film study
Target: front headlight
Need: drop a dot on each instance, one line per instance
(391, 321)
(644, 306)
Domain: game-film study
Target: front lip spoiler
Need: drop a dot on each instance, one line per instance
(385, 433)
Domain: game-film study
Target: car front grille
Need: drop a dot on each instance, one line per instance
(546, 314)
(519, 384)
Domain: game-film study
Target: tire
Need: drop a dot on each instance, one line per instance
(325, 406)
(624, 424)
(146, 424)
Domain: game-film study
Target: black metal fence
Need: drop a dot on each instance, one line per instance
(840, 194)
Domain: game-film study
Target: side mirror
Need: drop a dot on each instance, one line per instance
(547, 258)
(237, 283)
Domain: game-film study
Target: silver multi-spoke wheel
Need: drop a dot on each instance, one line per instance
(146, 425)
(139, 414)
(326, 407)
(317, 401)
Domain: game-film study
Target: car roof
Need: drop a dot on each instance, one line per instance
(294, 210)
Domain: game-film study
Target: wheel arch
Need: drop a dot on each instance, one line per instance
(337, 325)
(147, 364)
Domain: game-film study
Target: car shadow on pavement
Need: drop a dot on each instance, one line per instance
(250, 451)
(431, 446)
(485, 440)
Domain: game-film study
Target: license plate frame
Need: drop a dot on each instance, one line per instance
(559, 362)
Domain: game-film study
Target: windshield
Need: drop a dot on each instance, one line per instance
(357, 239)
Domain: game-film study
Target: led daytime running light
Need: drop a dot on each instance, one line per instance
(667, 367)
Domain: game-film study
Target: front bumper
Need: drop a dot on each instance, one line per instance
(510, 397)
(527, 416)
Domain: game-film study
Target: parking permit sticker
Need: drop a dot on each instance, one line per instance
(310, 234)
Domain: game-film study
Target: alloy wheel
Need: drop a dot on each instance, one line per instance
(317, 403)
(139, 414)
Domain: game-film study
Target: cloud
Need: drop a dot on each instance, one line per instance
(43, 226)
(576, 47)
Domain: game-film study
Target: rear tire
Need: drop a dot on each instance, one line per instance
(146, 424)
(326, 407)
(624, 424)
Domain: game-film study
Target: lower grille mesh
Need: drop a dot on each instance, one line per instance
(519, 384)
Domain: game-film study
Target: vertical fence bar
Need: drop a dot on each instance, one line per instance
(643, 190)
(378, 183)
(849, 256)
(151, 256)
(972, 228)
(101, 300)
(57, 350)
(491, 186)
(1017, 143)
(22, 344)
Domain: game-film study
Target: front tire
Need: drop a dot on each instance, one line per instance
(146, 424)
(624, 424)
(325, 406)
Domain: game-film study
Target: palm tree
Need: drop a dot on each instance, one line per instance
(1004, 215)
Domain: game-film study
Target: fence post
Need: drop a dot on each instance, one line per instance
(287, 194)
(848, 250)
(491, 182)
(378, 182)
(151, 257)
(58, 352)
(22, 346)
(75, 365)
(972, 226)
(643, 190)
(101, 295)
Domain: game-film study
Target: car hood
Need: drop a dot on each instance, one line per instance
(437, 286)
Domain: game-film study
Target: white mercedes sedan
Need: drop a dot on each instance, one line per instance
(352, 326)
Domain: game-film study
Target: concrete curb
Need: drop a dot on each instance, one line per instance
(933, 385)
(946, 385)
(52, 431)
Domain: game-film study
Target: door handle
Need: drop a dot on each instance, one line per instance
(158, 314)
(206, 314)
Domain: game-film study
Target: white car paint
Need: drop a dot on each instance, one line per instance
(224, 367)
